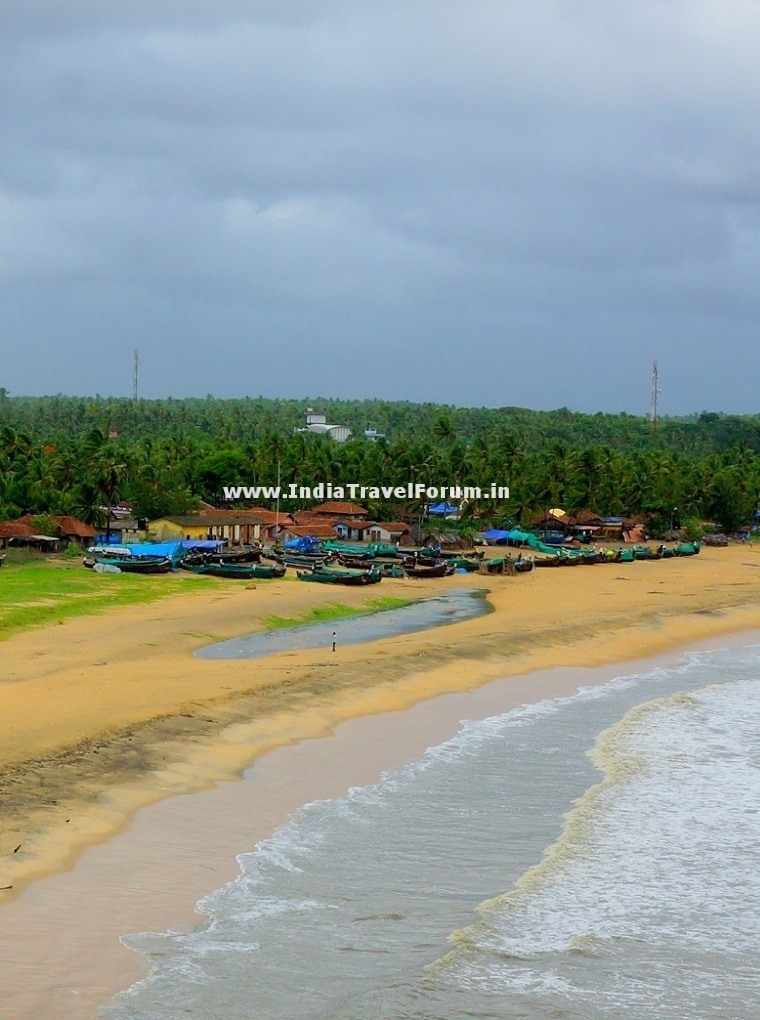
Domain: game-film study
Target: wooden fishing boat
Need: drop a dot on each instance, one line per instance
(390, 569)
(547, 561)
(464, 563)
(438, 570)
(643, 552)
(132, 564)
(362, 562)
(523, 566)
(688, 548)
(238, 571)
(420, 560)
(296, 560)
(329, 575)
(245, 554)
(566, 560)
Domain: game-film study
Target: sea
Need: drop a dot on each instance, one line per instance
(594, 856)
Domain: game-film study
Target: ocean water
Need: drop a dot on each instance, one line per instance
(587, 857)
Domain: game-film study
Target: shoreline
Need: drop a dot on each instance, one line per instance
(106, 784)
(151, 875)
(161, 722)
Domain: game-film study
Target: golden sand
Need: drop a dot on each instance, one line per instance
(109, 714)
(104, 714)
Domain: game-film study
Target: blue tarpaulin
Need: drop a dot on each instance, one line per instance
(443, 509)
(156, 548)
(306, 543)
(513, 536)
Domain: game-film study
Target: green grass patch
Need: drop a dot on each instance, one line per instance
(335, 611)
(38, 594)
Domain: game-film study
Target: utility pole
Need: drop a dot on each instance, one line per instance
(135, 365)
(655, 394)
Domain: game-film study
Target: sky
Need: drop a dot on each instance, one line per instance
(478, 202)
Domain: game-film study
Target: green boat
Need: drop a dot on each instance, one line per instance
(328, 575)
(131, 564)
(626, 556)
(688, 548)
(643, 552)
(237, 572)
(363, 552)
(382, 549)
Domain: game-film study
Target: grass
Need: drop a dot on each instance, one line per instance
(40, 593)
(335, 611)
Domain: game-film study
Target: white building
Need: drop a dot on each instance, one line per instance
(318, 424)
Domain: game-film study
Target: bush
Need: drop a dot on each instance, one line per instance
(693, 529)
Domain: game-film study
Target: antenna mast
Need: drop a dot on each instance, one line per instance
(655, 394)
(135, 365)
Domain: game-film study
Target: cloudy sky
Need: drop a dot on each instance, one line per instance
(466, 201)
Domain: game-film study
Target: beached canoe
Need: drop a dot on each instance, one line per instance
(523, 566)
(327, 575)
(132, 564)
(237, 571)
(438, 570)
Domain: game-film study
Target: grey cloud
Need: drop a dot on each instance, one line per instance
(494, 182)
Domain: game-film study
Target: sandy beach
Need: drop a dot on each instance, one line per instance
(109, 714)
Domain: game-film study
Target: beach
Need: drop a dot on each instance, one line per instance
(109, 714)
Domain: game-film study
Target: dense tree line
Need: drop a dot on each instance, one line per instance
(73, 455)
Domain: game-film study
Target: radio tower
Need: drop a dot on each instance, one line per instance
(655, 394)
(135, 365)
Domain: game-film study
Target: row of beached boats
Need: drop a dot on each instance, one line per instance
(342, 563)
(566, 558)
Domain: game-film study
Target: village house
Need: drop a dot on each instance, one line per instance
(337, 510)
(388, 532)
(351, 531)
(232, 527)
(70, 530)
(317, 423)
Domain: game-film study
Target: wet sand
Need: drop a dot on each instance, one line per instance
(148, 721)
(62, 957)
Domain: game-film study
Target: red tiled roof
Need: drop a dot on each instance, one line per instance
(334, 508)
(15, 529)
(73, 526)
(358, 525)
(394, 527)
(586, 517)
(67, 525)
(270, 516)
(304, 517)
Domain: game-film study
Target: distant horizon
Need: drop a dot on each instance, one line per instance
(323, 399)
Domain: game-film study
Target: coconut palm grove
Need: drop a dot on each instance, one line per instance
(76, 455)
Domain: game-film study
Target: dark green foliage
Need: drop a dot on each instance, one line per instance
(73, 455)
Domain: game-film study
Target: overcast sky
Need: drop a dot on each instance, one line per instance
(465, 201)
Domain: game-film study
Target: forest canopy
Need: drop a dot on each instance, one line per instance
(74, 455)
